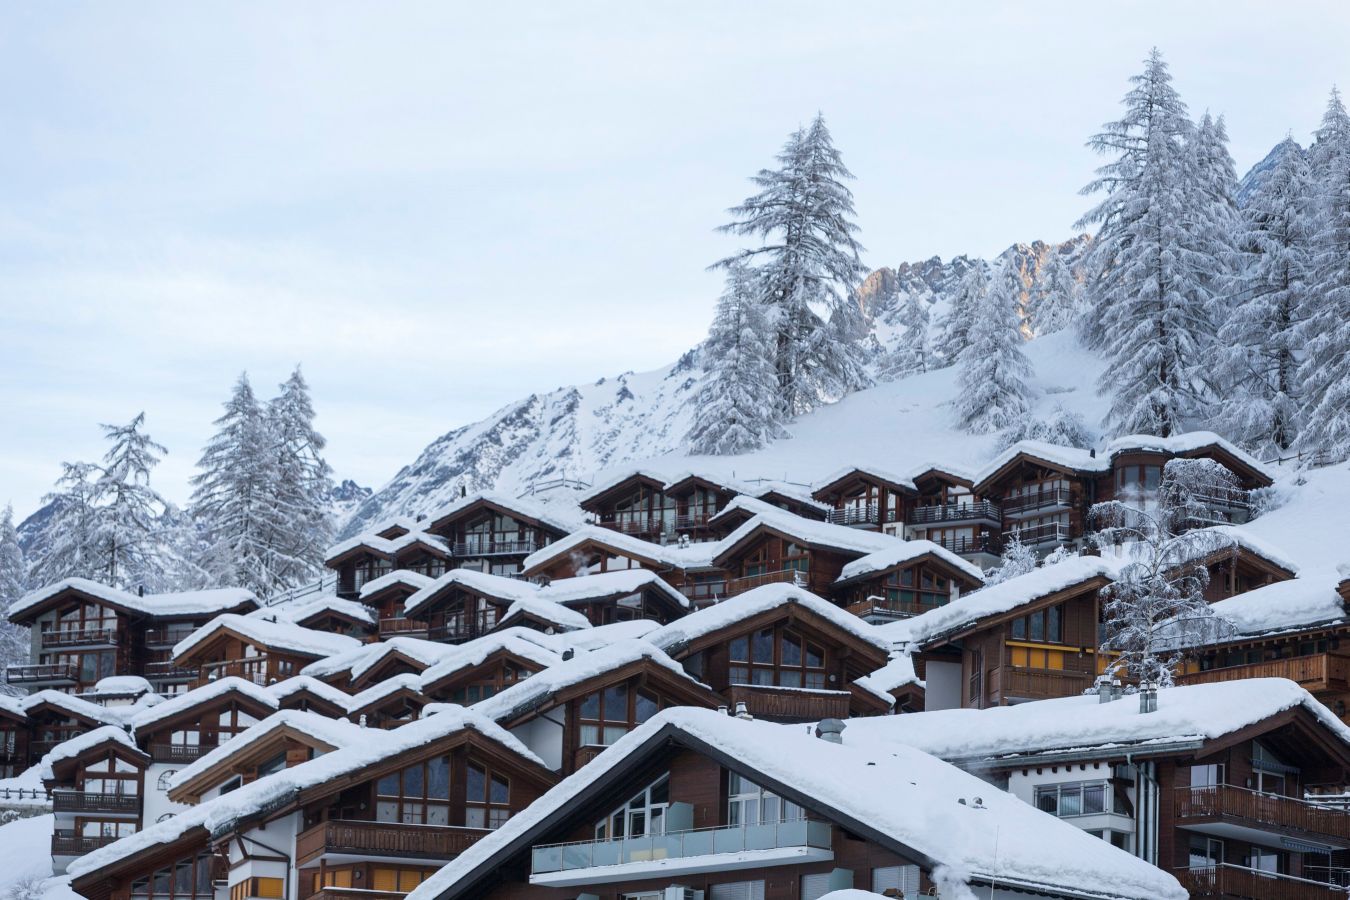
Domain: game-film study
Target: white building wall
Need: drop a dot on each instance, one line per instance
(544, 736)
(942, 685)
(157, 803)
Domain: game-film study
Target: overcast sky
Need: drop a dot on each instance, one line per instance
(438, 208)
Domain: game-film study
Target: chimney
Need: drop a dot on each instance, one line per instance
(463, 491)
(742, 712)
(1092, 454)
(1108, 688)
(362, 723)
(831, 730)
(140, 591)
(724, 710)
(1148, 696)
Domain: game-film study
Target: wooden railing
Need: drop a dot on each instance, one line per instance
(963, 544)
(40, 672)
(253, 669)
(1229, 881)
(82, 637)
(166, 637)
(168, 670)
(768, 702)
(432, 842)
(1052, 532)
(782, 576)
(400, 626)
(88, 801)
(1226, 801)
(1313, 672)
(979, 511)
(855, 515)
(1037, 684)
(693, 520)
(179, 753)
(634, 524)
(1057, 497)
(70, 843)
(494, 547)
(880, 607)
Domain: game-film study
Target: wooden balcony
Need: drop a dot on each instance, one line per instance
(879, 609)
(750, 582)
(640, 526)
(81, 637)
(1033, 504)
(704, 592)
(951, 513)
(167, 671)
(789, 704)
(166, 637)
(400, 627)
(1319, 672)
(70, 843)
(494, 547)
(859, 516)
(179, 753)
(1229, 882)
(43, 673)
(1026, 683)
(1271, 813)
(340, 893)
(693, 521)
(90, 802)
(437, 843)
(254, 669)
(1052, 534)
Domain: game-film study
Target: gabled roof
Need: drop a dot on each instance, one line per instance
(545, 612)
(1193, 444)
(297, 684)
(541, 515)
(656, 555)
(206, 695)
(897, 673)
(1307, 602)
(304, 611)
(471, 654)
(927, 812)
(817, 535)
(839, 478)
(497, 587)
(604, 585)
(285, 637)
(415, 652)
(398, 578)
(1070, 460)
(942, 472)
(78, 746)
(371, 697)
(178, 604)
(82, 709)
(617, 480)
(907, 553)
(364, 542)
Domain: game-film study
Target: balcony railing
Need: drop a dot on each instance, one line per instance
(166, 637)
(253, 669)
(88, 801)
(789, 704)
(1226, 802)
(782, 576)
(70, 843)
(693, 520)
(1055, 498)
(1038, 535)
(1038, 684)
(553, 858)
(1318, 672)
(704, 591)
(392, 627)
(635, 524)
(855, 515)
(81, 637)
(163, 671)
(966, 545)
(339, 893)
(494, 547)
(882, 608)
(43, 673)
(179, 753)
(978, 511)
(350, 836)
(1229, 881)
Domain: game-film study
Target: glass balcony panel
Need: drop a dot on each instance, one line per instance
(760, 837)
(576, 856)
(728, 840)
(606, 853)
(698, 843)
(546, 859)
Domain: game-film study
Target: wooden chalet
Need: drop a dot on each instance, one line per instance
(387, 595)
(635, 505)
(393, 658)
(865, 498)
(905, 581)
(392, 702)
(15, 734)
(947, 512)
(336, 616)
(256, 649)
(494, 534)
(486, 667)
(593, 550)
(305, 693)
(783, 549)
(368, 557)
(54, 718)
(96, 784)
(82, 632)
(179, 731)
(781, 653)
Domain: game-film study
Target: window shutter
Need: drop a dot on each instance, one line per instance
(902, 878)
(738, 890)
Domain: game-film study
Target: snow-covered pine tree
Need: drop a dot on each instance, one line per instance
(1145, 299)
(965, 305)
(1259, 347)
(1056, 304)
(14, 644)
(232, 496)
(128, 508)
(992, 385)
(738, 407)
(1325, 371)
(1017, 559)
(912, 353)
(1214, 225)
(69, 537)
(809, 260)
(1061, 427)
(302, 488)
(1156, 605)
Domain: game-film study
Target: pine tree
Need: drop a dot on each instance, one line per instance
(810, 259)
(303, 485)
(992, 390)
(1259, 347)
(1325, 372)
(911, 354)
(1211, 238)
(738, 406)
(232, 496)
(1146, 305)
(14, 643)
(1017, 559)
(1057, 299)
(70, 536)
(965, 305)
(128, 508)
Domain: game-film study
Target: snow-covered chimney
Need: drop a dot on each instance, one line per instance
(1148, 696)
(1108, 689)
(831, 730)
(724, 710)
(742, 712)
(362, 723)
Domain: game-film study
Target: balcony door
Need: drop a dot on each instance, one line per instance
(643, 814)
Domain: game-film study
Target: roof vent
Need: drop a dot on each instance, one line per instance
(831, 730)
(1108, 688)
(724, 710)
(362, 723)
(1148, 696)
(568, 654)
(742, 712)
(140, 591)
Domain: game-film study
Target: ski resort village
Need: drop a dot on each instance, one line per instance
(983, 579)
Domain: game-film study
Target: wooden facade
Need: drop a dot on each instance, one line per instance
(230, 654)
(865, 499)
(907, 589)
(770, 555)
(492, 536)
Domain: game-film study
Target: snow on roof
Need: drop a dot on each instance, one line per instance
(473, 653)
(901, 553)
(698, 555)
(798, 493)
(927, 806)
(120, 686)
(524, 696)
(1236, 534)
(947, 468)
(1071, 458)
(296, 683)
(299, 610)
(207, 693)
(278, 635)
(430, 541)
(425, 652)
(391, 685)
(116, 715)
(69, 749)
(603, 584)
(414, 580)
(220, 814)
(603, 635)
(1308, 600)
(809, 531)
(178, 603)
(407, 523)
(1185, 714)
(617, 477)
(1185, 443)
(336, 733)
(543, 513)
(753, 602)
(998, 599)
(548, 611)
(372, 542)
(879, 474)
(498, 586)
(897, 673)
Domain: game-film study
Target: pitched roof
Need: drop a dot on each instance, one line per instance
(300, 611)
(321, 689)
(809, 532)
(207, 693)
(167, 605)
(516, 641)
(545, 514)
(405, 577)
(905, 552)
(81, 743)
(1308, 601)
(284, 636)
(672, 556)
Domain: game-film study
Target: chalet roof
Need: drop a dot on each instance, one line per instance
(619, 478)
(805, 531)
(301, 611)
(1192, 713)
(907, 552)
(219, 815)
(433, 544)
(422, 652)
(405, 681)
(870, 473)
(75, 706)
(297, 683)
(516, 641)
(534, 692)
(385, 547)
(395, 523)
(531, 512)
(115, 686)
(1191, 443)
(999, 599)
(486, 584)
(926, 812)
(1305, 602)
(897, 673)
(729, 612)
(170, 605)
(321, 730)
(598, 636)
(671, 556)
(582, 589)
(554, 614)
(588, 588)
(202, 696)
(946, 471)
(283, 636)
(1225, 538)
(1069, 459)
(83, 743)
(404, 577)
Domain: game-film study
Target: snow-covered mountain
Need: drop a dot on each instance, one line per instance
(1258, 173)
(575, 432)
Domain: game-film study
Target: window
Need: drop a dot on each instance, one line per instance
(645, 813)
(1042, 626)
(1087, 798)
(904, 879)
(397, 880)
(737, 890)
(269, 888)
(777, 656)
(416, 795)
(608, 715)
(1205, 852)
(188, 878)
(487, 798)
(1207, 776)
(165, 779)
(750, 804)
